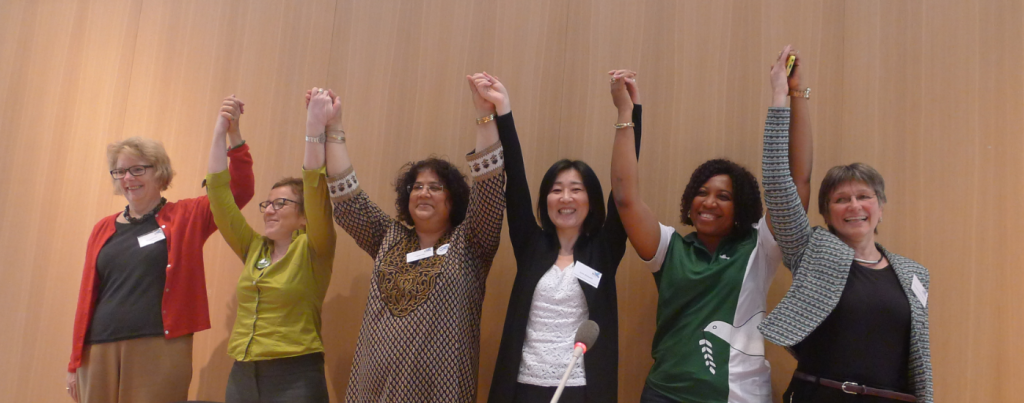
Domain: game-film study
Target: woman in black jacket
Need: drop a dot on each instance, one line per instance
(566, 269)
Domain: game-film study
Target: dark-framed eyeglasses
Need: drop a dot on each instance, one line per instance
(278, 204)
(433, 187)
(135, 170)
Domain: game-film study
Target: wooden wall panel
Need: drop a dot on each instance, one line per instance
(929, 93)
(64, 72)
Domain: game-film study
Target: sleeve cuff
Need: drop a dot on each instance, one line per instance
(222, 178)
(311, 177)
(654, 265)
(240, 148)
(487, 163)
(343, 186)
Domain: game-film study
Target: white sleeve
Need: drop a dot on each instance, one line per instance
(659, 257)
(769, 248)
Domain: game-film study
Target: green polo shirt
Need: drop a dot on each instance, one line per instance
(700, 296)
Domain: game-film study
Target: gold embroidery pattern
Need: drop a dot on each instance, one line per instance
(405, 286)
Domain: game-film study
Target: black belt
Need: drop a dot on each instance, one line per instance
(854, 388)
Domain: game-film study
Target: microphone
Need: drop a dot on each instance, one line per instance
(586, 335)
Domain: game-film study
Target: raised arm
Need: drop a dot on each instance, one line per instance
(637, 218)
(522, 224)
(486, 199)
(801, 143)
(787, 217)
(323, 107)
(220, 183)
(359, 216)
(613, 234)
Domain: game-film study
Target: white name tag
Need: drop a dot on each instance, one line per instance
(441, 250)
(151, 238)
(586, 274)
(419, 255)
(920, 291)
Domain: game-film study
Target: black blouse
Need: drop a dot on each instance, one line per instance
(866, 338)
(536, 251)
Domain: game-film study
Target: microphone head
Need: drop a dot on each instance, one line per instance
(587, 333)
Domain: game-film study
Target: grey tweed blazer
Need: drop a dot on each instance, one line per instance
(821, 262)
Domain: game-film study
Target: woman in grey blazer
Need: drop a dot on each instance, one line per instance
(856, 316)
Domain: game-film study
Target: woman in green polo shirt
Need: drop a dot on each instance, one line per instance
(276, 339)
(713, 282)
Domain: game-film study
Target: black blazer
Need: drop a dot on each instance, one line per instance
(536, 251)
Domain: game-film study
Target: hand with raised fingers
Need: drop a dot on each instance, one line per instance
(621, 96)
(629, 77)
(489, 94)
(779, 77)
(231, 110)
(322, 108)
(72, 385)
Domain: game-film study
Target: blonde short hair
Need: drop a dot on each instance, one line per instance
(148, 150)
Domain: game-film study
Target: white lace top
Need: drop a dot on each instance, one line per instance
(557, 310)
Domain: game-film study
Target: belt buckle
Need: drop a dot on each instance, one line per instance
(851, 384)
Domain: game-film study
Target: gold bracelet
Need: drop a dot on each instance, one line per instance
(334, 138)
(624, 125)
(804, 93)
(485, 119)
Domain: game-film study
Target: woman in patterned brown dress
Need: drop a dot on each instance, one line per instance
(420, 337)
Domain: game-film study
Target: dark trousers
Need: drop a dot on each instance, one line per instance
(802, 391)
(526, 393)
(649, 395)
(283, 380)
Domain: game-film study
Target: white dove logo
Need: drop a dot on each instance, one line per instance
(743, 338)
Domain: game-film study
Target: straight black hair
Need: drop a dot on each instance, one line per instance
(595, 218)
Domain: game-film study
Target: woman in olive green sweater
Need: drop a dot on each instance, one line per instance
(276, 339)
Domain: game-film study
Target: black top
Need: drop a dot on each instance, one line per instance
(866, 338)
(131, 286)
(536, 251)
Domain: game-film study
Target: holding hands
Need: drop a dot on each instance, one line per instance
(781, 81)
(231, 110)
(489, 94)
(323, 109)
(625, 92)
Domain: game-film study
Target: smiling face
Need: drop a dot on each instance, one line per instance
(429, 208)
(712, 211)
(138, 190)
(568, 202)
(853, 211)
(280, 224)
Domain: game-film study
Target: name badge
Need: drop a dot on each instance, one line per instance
(419, 255)
(586, 274)
(443, 249)
(151, 238)
(920, 291)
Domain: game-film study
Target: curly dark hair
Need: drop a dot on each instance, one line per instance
(595, 217)
(451, 178)
(745, 191)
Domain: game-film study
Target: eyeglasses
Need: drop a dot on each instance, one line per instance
(277, 203)
(433, 187)
(137, 170)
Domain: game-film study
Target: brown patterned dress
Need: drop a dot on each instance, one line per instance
(420, 338)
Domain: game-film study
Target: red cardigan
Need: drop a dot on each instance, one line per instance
(186, 224)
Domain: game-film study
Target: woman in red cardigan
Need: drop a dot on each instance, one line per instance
(143, 290)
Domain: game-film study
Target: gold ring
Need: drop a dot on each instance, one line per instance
(319, 90)
(612, 81)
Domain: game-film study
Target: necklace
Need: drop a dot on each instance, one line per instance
(150, 214)
(865, 261)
